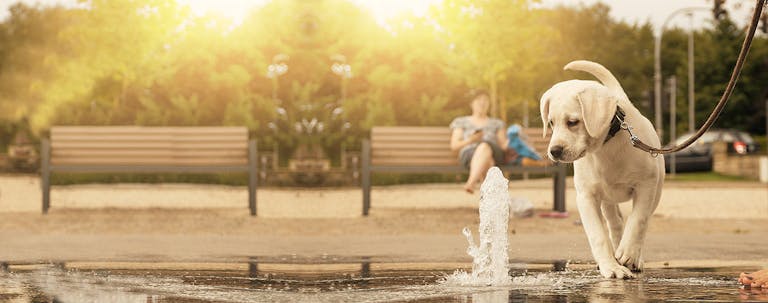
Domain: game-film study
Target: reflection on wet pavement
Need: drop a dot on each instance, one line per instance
(354, 282)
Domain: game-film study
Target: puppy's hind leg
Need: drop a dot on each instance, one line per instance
(615, 223)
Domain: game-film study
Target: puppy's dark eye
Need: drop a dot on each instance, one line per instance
(572, 123)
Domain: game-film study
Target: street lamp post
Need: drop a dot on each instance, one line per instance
(275, 70)
(691, 78)
(526, 109)
(344, 71)
(657, 83)
(657, 66)
(673, 121)
(341, 68)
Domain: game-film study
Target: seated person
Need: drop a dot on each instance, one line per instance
(479, 139)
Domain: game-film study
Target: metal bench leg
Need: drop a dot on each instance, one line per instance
(45, 174)
(366, 176)
(559, 188)
(252, 176)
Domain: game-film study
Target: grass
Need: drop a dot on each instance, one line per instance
(704, 176)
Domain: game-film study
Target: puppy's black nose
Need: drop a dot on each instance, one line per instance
(556, 151)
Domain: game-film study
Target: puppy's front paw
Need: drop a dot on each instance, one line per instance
(615, 271)
(629, 256)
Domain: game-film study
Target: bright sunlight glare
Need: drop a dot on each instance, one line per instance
(235, 10)
(384, 10)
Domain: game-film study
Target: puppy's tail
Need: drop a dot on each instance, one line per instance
(599, 71)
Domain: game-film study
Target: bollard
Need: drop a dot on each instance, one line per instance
(764, 169)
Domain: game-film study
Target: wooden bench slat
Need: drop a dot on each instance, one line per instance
(410, 145)
(405, 134)
(414, 154)
(149, 145)
(412, 137)
(151, 168)
(60, 152)
(415, 161)
(445, 153)
(433, 130)
(414, 145)
(147, 161)
(413, 141)
(134, 137)
(146, 130)
(531, 133)
(439, 137)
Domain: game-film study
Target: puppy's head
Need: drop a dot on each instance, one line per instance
(579, 113)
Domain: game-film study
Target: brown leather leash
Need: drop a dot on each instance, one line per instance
(636, 142)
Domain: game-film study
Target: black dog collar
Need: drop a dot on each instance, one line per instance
(616, 122)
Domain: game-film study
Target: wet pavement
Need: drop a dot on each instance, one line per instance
(364, 280)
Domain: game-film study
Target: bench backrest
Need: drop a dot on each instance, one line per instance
(426, 145)
(147, 146)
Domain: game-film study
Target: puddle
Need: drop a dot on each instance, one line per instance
(355, 282)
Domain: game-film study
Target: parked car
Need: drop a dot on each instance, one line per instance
(698, 156)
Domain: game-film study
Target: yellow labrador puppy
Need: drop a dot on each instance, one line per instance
(586, 117)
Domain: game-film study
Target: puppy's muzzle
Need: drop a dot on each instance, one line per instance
(556, 152)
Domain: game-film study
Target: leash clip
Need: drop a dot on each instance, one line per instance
(632, 138)
(636, 140)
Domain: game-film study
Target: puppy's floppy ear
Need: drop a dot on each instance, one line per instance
(544, 108)
(597, 109)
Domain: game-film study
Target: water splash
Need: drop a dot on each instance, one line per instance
(64, 286)
(490, 256)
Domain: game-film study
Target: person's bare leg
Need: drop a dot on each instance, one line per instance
(539, 163)
(757, 279)
(481, 161)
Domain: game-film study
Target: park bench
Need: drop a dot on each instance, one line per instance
(137, 149)
(426, 149)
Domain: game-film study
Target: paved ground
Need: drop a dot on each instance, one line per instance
(696, 222)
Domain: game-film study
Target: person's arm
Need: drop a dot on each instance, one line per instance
(457, 142)
(501, 137)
